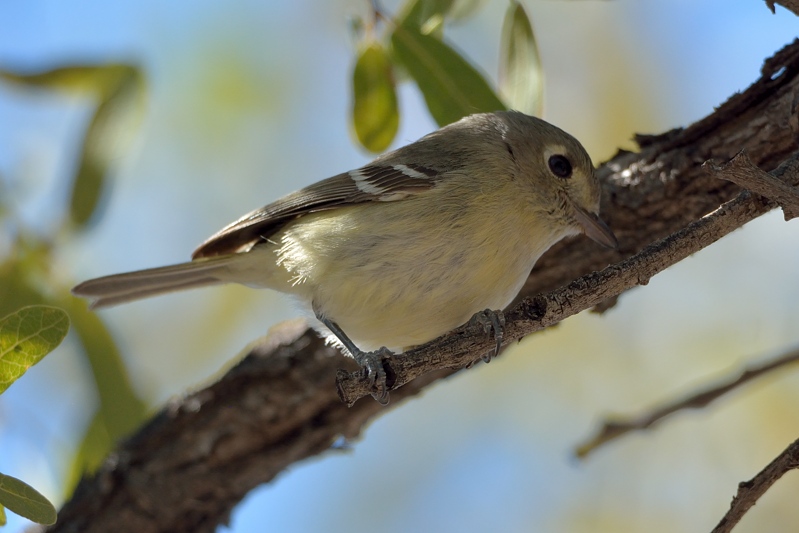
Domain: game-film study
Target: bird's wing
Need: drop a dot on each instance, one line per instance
(377, 182)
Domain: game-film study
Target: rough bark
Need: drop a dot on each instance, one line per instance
(187, 468)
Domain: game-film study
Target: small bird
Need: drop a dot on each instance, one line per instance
(408, 247)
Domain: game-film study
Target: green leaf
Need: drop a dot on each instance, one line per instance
(3, 520)
(75, 79)
(118, 89)
(521, 79)
(374, 111)
(105, 141)
(451, 87)
(428, 16)
(26, 337)
(21, 498)
(425, 16)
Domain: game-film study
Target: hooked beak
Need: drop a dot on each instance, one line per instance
(593, 226)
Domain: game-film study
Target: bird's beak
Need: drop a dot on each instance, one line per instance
(593, 226)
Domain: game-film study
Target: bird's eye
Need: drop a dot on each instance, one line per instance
(560, 166)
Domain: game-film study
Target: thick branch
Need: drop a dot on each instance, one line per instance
(792, 5)
(662, 188)
(461, 347)
(187, 469)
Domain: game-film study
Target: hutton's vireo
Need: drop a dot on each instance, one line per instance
(411, 245)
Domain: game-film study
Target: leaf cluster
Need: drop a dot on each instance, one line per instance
(412, 46)
(37, 300)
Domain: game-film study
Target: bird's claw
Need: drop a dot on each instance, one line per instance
(491, 321)
(372, 365)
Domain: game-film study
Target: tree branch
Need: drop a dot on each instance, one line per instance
(750, 491)
(195, 460)
(185, 470)
(791, 5)
(742, 172)
(613, 429)
(464, 345)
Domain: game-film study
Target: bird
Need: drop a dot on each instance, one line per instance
(407, 247)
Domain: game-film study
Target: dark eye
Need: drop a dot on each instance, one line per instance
(560, 166)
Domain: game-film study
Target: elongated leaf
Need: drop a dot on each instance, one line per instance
(92, 451)
(428, 16)
(21, 498)
(2, 516)
(451, 87)
(521, 80)
(374, 111)
(425, 16)
(26, 337)
(118, 89)
(107, 136)
(76, 79)
(120, 410)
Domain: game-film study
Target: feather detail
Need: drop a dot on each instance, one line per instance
(372, 183)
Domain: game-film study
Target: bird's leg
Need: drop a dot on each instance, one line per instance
(494, 321)
(370, 362)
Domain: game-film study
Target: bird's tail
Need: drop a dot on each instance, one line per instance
(121, 288)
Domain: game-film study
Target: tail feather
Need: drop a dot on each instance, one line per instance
(121, 288)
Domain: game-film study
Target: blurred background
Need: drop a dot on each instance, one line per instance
(247, 101)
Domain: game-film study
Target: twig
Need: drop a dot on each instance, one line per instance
(613, 429)
(463, 346)
(741, 171)
(750, 491)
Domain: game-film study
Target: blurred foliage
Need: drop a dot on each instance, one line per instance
(120, 410)
(452, 88)
(521, 79)
(118, 89)
(374, 110)
(25, 274)
(26, 336)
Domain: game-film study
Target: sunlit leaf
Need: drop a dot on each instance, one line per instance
(425, 16)
(3, 520)
(521, 80)
(374, 111)
(76, 79)
(119, 410)
(26, 336)
(428, 16)
(452, 88)
(22, 499)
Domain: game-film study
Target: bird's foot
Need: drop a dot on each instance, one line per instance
(373, 365)
(491, 321)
